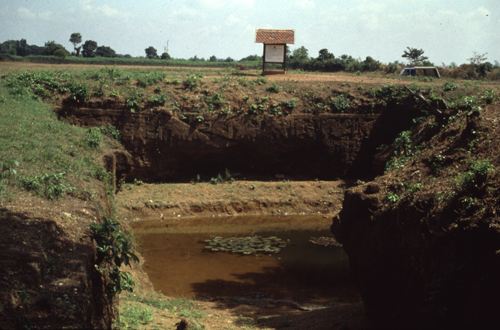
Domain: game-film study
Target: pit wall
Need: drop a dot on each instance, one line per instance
(164, 147)
(423, 262)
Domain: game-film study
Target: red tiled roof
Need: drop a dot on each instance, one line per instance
(275, 36)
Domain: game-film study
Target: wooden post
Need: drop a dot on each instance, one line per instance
(264, 59)
(284, 60)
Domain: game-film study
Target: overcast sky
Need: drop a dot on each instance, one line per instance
(447, 30)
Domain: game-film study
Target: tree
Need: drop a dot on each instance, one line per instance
(251, 58)
(300, 54)
(51, 47)
(22, 48)
(369, 64)
(478, 58)
(213, 58)
(165, 56)
(325, 55)
(415, 56)
(89, 48)
(151, 52)
(75, 39)
(105, 51)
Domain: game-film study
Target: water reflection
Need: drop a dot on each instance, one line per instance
(179, 265)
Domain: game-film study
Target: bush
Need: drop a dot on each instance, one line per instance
(273, 88)
(150, 78)
(60, 53)
(94, 137)
(79, 92)
(340, 103)
(112, 131)
(50, 186)
(477, 174)
(158, 99)
(192, 81)
(370, 64)
(114, 247)
(484, 68)
(392, 67)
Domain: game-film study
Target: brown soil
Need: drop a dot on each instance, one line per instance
(32, 229)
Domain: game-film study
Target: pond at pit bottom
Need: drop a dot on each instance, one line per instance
(178, 264)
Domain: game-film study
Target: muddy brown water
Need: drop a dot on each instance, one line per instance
(179, 265)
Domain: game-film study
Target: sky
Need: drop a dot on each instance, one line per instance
(447, 30)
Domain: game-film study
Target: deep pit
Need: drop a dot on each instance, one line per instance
(421, 239)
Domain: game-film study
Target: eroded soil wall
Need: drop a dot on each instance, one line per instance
(167, 148)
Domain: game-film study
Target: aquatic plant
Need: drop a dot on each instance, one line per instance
(246, 245)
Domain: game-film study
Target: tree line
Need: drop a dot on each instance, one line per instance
(297, 59)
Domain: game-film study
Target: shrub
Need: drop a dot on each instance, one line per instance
(50, 186)
(484, 68)
(448, 86)
(392, 67)
(393, 198)
(340, 103)
(291, 104)
(192, 81)
(60, 53)
(158, 99)
(114, 247)
(8, 168)
(274, 88)
(150, 78)
(112, 131)
(477, 173)
(79, 92)
(93, 137)
(403, 144)
(215, 101)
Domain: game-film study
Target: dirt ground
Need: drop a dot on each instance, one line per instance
(278, 196)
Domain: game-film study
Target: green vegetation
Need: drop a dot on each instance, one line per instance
(476, 175)
(246, 245)
(138, 310)
(340, 103)
(115, 248)
(39, 153)
(393, 198)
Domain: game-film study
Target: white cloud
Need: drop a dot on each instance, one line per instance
(231, 20)
(185, 11)
(106, 10)
(305, 4)
(228, 3)
(25, 13)
(46, 15)
(85, 5)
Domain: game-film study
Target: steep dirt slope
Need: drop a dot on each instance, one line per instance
(424, 238)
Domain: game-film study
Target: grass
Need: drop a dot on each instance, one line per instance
(138, 310)
(133, 61)
(133, 316)
(38, 150)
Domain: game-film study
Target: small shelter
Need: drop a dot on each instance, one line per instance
(275, 42)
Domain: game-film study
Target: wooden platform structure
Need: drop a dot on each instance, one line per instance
(275, 42)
